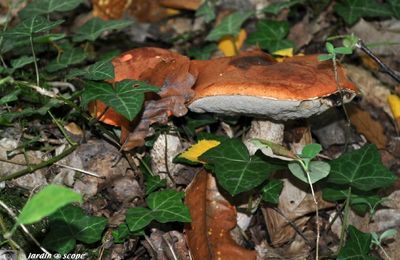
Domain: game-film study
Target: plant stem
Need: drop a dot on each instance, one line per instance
(345, 219)
(34, 61)
(33, 167)
(23, 227)
(316, 208)
(384, 252)
(384, 68)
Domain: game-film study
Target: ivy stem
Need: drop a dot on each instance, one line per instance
(345, 219)
(34, 61)
(34, 167)
(305, 168)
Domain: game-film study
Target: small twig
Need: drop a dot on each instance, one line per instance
(166, 159)
(292, 224)
(384, 68)
(34, 167)
(34, 61)
(170, 247)
(12, 214)
(80, 170)
(61, 84)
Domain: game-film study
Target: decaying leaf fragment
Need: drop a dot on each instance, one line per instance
(166, 69)
(366, 125)
(213, 217)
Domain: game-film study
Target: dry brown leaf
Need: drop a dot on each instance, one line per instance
(213, 217)
(366, 125)
(179, 4)
(143, 10)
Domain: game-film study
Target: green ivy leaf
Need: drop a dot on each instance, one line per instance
(13, 96)
(39, 7)
(276, 8)
(361, 202)
(92, 29)
(357, 245)
(207, 11)
(30, 111)
(395, 8)
(235, 169)
(30, 26)
(164, 206)
(271, 191)
(153, 183)
(45, 202)
(120, 234)
(361, 169)
(317, 170)
(230, 25)
(101, 70)
(21, 62)
(352, 10)
(127, 98)
(68, 57)
(270, 35)
(69, 224)
(203, 53)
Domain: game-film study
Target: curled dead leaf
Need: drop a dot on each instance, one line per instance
(213, 217)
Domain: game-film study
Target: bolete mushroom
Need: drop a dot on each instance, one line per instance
(255, 84)
(252, 84)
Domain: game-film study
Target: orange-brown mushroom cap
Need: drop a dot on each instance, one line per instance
(253, 83)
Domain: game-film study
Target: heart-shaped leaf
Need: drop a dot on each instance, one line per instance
(352, 10)
(230, 25)
(68, 57)
(21, 61)
(357, 245)
(207, 11)
(38, 7)
(275, 8)
(271, 191)
(92, 29)
(164, 206)
(361, 169)
(270, 35)
(235, 169)
(101, 70)
(69, 224)
(127, 98)
(28, 27)
(317, 170)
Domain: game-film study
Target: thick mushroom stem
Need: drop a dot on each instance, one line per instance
(263, 129)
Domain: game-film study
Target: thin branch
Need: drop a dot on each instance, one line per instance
(12, 214)
(34, 167)
(384, 68)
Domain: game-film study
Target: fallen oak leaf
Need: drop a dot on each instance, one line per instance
(213, 217)
(366, 125)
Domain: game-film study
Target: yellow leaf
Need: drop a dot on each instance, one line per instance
(284, 53)
(172, 11)
(193, 153)
(394, 103)
(226, 43)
